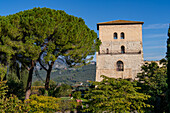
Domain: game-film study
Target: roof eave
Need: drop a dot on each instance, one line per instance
(117, 24)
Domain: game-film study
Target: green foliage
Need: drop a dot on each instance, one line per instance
(3, 89)
(63, 90)
(52, 83)
(168, 67)
(116, 95)
(60, 91)
(77, 95)
(152, 80)
(41, 91)
(43, 104)
(13, 105)
(71, 77)
(37, 83)
(15, 87)
(65, 105)
(46, 104)
(26, 35)
(3, 71)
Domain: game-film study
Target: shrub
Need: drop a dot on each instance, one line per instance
(65, 105)
(13, 105)
(60, 91)
(52, 82)
(43, 104)
(37, 83)
(16, 87)
(3, 89)
(77, 95)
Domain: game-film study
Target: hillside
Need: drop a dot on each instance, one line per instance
(71, 76)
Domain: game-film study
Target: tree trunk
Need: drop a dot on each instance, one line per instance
(48, 76)
(18, 71)
(29, 82)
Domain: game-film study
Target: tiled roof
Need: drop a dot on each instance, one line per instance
(119, 22)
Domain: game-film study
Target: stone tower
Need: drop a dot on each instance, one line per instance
(121, 51)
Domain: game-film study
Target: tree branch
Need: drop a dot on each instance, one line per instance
(42, 65)
(39, 59)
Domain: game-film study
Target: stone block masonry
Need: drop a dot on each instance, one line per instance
(121, 51)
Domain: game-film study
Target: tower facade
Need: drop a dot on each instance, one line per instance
(121, 51)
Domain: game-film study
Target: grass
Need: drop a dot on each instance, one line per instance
(65, 98)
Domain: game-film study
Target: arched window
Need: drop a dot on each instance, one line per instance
(122, 36)
(122, 49)
(115, 36)
(107, 51)
(120, 66)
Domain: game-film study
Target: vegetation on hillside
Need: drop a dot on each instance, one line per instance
(71, 76)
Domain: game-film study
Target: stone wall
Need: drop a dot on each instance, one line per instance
(132, 32)
(115, 47)
(107, 65)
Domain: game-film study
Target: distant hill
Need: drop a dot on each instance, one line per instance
(71, 76)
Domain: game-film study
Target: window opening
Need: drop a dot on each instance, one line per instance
(122, 36)
(107, 51)
(122, 49)
(115, 36)
(120, 66)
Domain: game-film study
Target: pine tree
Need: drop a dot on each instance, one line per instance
(26, 35)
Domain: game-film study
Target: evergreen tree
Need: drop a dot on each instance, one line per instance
(168, 67)
(26, 35)
(116, 95)
(74, 41)
(152, 81)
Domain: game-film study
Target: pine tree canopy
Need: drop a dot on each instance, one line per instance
(24, 36)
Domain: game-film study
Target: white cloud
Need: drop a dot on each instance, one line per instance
(155, 35)
(154, 57)
(154, 47)
(156, 26)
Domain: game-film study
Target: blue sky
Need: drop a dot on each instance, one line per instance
(154, 13)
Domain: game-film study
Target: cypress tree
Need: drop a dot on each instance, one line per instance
(168, 66)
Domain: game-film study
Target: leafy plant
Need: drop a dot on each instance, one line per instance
(77, 94)
(3, 70)
(65, 105)
(13, 105)
(43, 104)
(3, 89)
(152, 81)
(37, 83)
(16, 87)
(60, 91)
(115, 95)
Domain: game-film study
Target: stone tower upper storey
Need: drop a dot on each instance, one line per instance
(121, 30)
